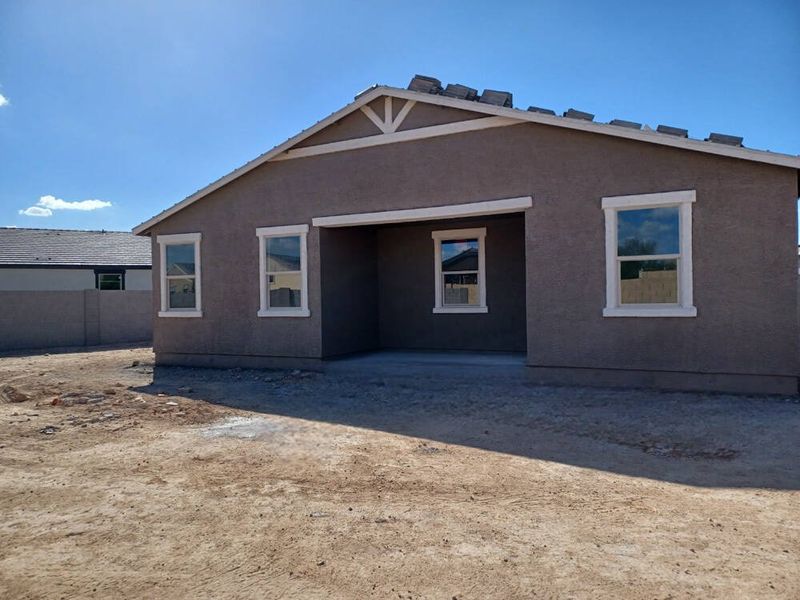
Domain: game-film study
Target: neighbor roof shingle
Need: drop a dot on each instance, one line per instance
(71, 247)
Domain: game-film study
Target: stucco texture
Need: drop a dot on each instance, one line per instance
(69, 279)
(744, 245)
(50, 319)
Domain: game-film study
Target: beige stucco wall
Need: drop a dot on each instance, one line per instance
(744, 245)
(22, 279)
(138, 279)
(46, 279)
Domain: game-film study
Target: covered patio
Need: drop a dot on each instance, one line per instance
(440, 279)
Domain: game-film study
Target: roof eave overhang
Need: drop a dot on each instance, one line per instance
(361, 100)
(761, 156)
(653, 137)
(72, 266)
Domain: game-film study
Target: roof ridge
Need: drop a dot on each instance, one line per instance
(72, 247)
(6, 228)
(564, 120)
(643, 135)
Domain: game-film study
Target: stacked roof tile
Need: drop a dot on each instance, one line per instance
(58, 247)
(431, 85)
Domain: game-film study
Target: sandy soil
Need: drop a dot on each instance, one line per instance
(247, 484)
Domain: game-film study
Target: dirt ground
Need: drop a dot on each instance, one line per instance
(190, 483)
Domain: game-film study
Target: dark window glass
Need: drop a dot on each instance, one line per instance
(180, 259)
(109, 281)
(283, 254)
(459, 255)
(181, 293)
(284, 290)
(460, 288)
(648, 231)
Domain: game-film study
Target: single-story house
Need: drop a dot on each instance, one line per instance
(438, 218)
(60, 260)
(64, 288)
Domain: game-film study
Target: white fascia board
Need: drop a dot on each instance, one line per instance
(360, 101)
(775, 158)
(431, 213)
(653, 137)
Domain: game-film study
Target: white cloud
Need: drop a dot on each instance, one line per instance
(3, 100)
(36, 211)
(47, 204)
(54, 203)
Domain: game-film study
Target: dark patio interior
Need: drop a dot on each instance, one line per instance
(378, 282)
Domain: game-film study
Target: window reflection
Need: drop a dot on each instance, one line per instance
(283, 254)
(180, 259)
(460, 255)
(284, 290)
(181, 293)
(648, 231)
(649, 282)
(284, 272)
(461, 288)
(460, 272)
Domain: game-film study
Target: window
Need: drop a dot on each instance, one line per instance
(283, 271)
(108, 280)
(649, 255)
(460, 270)
(180, 275)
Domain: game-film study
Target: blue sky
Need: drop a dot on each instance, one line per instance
(140, 103)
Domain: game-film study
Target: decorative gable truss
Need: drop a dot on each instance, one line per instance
(496, 116)
(388, 124)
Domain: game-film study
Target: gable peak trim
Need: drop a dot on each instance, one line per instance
(366, 97)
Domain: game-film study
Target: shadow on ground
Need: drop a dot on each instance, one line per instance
(32, 352)
(706, 440)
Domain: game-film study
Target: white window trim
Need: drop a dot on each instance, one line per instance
(685, 305)
(175, 239)
(282, 231)
(456, 234)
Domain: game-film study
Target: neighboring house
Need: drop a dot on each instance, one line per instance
(425, 218)
(55, 259)
(55, 288)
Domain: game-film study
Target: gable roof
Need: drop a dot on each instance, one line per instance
(502, 116)
(60, 247)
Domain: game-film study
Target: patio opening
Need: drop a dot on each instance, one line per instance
(436, 285)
